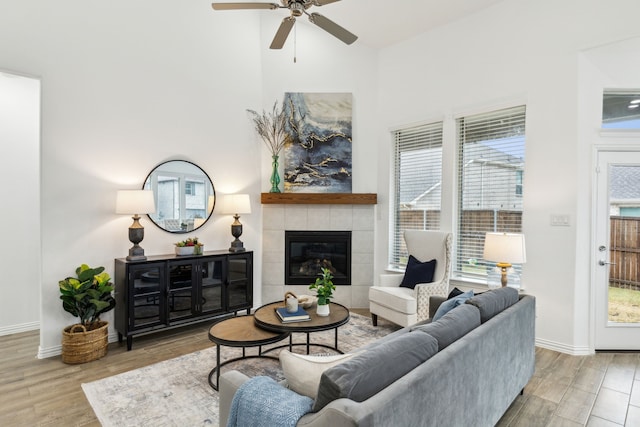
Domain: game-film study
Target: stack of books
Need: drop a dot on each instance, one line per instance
(299, 316)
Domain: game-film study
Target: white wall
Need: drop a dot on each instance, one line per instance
(609, 66)
(128, 85)
(20, 196)
(324, 64)
(516, 52)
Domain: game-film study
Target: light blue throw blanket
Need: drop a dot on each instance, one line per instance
(262, 402)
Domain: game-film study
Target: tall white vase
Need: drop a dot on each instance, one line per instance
(323, 310)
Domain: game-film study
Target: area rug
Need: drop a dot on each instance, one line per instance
(176, 392)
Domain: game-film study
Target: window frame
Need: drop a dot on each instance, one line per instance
(491, 128)
(427, 136)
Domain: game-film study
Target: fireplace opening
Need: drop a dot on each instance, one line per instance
(307, 252)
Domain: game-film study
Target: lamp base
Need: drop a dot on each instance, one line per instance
(237, 246)
(236, 231)
(136, 253)
(504, 266)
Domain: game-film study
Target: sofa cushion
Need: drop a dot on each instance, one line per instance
(418, 272)
(396, 298)
(494, 301)
(453, 325)
(303, 372)
(367, 373)
(450, 304)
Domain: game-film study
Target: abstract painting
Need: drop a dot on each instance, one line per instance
(317, 159)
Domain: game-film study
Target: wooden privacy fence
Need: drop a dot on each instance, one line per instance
(474, 225)
(624, 252)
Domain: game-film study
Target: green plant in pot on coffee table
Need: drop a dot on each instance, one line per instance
(86, 296)
(324, 288)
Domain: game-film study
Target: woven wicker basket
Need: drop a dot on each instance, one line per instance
(80, 345)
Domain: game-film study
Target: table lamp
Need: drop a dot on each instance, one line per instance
(236, 204)
(135, 202)
(504, 249)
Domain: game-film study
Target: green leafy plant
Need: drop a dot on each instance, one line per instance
(191, 241)
(88, 295)
(324, 286)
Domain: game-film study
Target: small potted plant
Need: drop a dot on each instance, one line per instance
(190, 246)
(324, 288)
(86, 296)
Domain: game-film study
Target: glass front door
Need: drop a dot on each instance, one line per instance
(617, 251)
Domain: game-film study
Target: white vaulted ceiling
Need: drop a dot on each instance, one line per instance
(380, 23)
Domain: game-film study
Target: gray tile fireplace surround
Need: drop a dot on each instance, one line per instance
(359, 219)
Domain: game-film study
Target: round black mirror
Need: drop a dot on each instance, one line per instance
(184, 196)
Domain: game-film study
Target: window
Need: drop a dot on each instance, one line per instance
(417, 185)
(621, 109)
(491, 149)
(190, 188)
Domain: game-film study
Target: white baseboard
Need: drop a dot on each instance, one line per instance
(563, 348)
(16, 329)
(56, 350)
(44, 353)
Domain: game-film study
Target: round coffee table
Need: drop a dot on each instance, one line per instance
(266, 318)
(240, 331)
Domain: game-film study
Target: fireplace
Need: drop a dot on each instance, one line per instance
(306, 252)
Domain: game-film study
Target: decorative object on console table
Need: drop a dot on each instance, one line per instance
(190, 246)
(135, 202)
(86, 296)
(324, 288)
(272, 129)
(236, 204)
(504, 249)
(318, 157)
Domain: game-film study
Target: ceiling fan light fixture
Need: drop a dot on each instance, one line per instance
(296, 9)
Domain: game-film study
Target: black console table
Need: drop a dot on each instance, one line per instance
(168, 291)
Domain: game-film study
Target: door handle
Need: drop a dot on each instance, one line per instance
(603, 262)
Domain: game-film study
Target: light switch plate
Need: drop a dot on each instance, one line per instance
(561, 220)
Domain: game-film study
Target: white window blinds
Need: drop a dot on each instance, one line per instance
(491, 148)
(417, 185)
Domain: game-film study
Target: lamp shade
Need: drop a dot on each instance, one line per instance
(135, 202)
(505, 247)
(236, 204)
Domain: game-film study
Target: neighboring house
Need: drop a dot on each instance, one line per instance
(495, 169)
(625, 191)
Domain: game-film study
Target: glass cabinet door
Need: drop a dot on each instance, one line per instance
(147, 300)
(211, 285)
(239, 291)
(181, 293)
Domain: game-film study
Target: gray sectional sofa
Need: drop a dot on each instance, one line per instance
(464, 369)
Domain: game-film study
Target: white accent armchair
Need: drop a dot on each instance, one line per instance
(406, 306)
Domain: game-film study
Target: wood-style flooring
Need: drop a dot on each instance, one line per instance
(566, 391)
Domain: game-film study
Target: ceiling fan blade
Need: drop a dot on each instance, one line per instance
(323, 2)
(283, 32)
(332, 28)
(236, 6)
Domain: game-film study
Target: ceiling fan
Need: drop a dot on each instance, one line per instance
(296, 8)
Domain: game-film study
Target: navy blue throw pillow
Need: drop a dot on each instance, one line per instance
(454, 293)
(418, 272)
